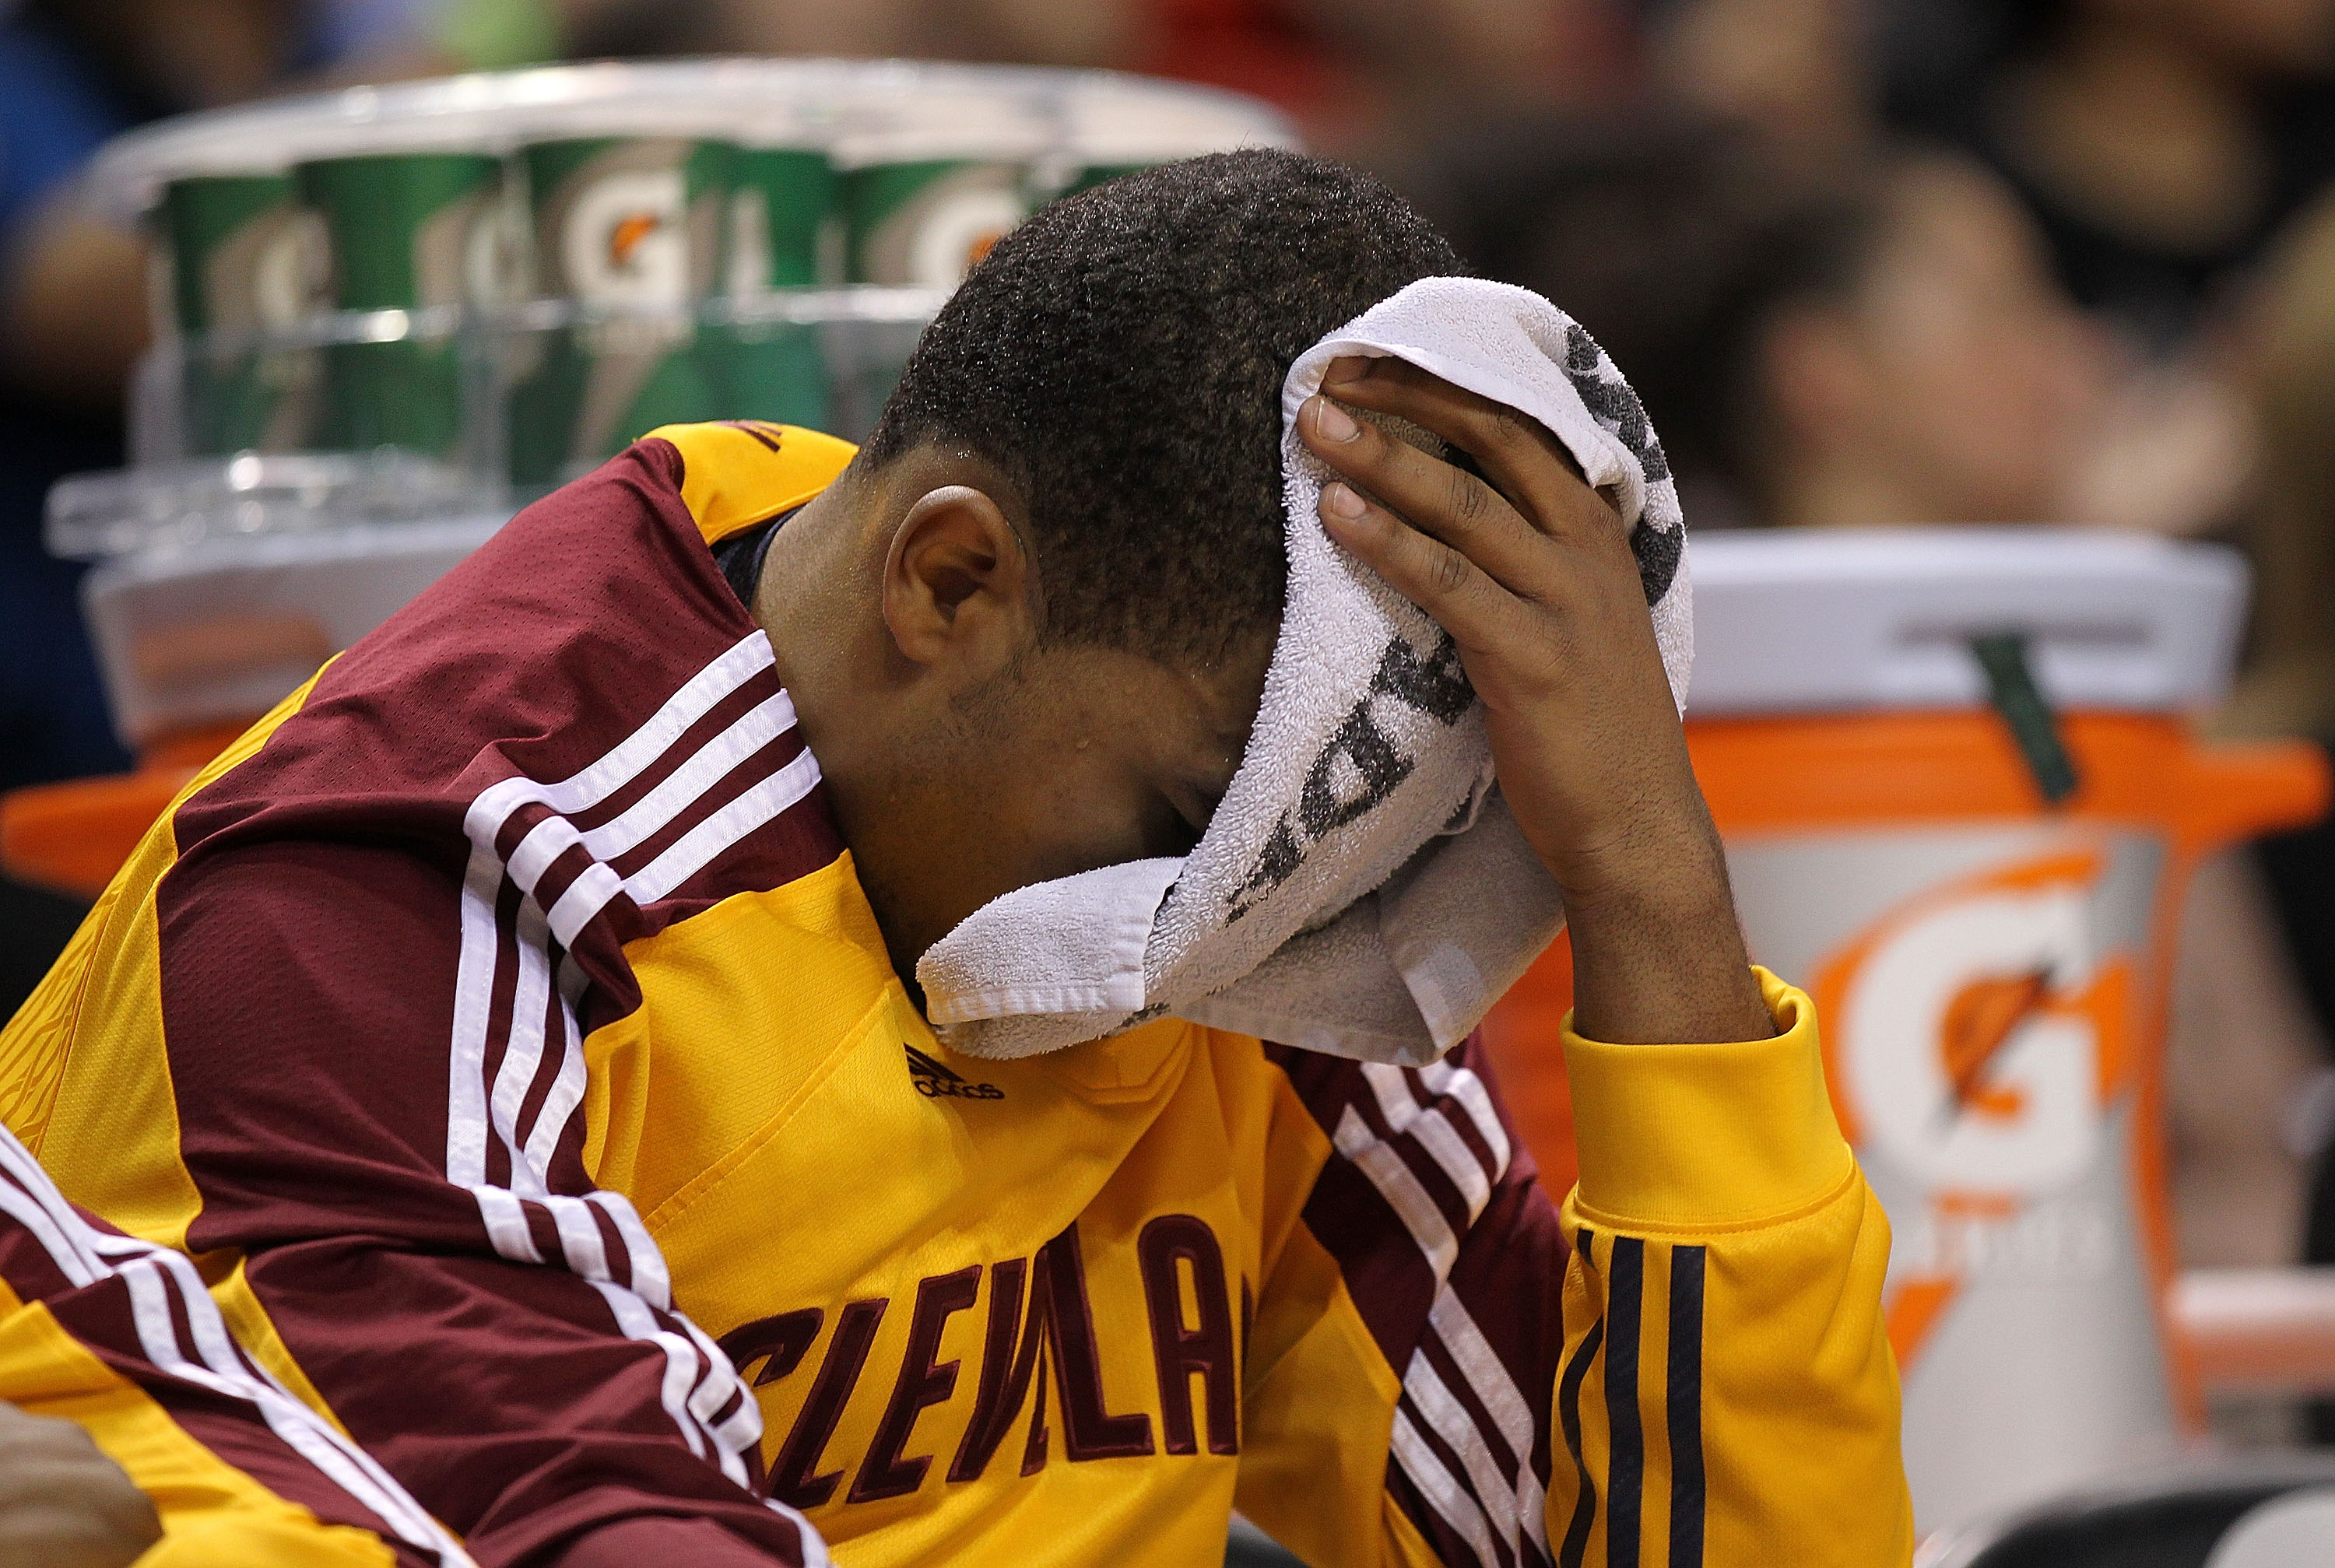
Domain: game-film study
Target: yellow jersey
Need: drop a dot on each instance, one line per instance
(501, 1029)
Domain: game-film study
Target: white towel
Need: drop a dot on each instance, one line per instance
(1362, 889)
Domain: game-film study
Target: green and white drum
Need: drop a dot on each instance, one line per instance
(426, 233)
(629, 231)
(243, 261)
(924, 222)
(786, 234)
(943, 179)
(786, 219)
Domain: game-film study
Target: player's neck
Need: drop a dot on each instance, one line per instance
(816, 603)
(801, 602)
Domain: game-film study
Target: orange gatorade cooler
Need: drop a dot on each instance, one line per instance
(1963, 797)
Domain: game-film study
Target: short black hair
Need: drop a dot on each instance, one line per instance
(1119, 356)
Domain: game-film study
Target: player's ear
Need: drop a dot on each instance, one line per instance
(958, 586)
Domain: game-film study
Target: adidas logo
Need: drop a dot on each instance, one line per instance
(934, 1081)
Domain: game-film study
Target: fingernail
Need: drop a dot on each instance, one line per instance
(1341, 500)
(1353, 367)
(1334, 422)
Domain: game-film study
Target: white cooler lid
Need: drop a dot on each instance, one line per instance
(1829, 620)
(759, 100)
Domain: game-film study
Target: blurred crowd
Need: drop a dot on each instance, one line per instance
(1869, 262)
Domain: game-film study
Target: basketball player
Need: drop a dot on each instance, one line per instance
(512, 1027)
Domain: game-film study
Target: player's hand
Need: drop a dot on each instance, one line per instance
(65, 1505)
(1531, 572)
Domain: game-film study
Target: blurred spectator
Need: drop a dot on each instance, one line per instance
(54, 111)
(1364, 78)
(1875, 346)
(2251, 1089)
(2242, 1047)
(2289, 684)
(63, 348)
(2161, 143)
(1419, 69)
(1801, 70)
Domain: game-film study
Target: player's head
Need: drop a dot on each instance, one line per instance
(1120, 359)
(1065, 558)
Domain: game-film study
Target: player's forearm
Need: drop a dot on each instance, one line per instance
(1657, 956)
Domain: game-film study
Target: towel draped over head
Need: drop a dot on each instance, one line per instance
(1363, 889)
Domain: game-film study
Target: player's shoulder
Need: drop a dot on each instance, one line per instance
(735, 473)
(594, 621)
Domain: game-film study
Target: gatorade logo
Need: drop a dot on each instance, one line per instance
(1973, 1032)
(631, 230)
(625, 243)
(955, 233)
(291, 272)
(1972, 1037)
(467, 252)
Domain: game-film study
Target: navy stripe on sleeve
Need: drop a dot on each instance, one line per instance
(1684, 1407)
(1625, 1473)
(1568, 1415)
